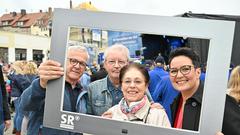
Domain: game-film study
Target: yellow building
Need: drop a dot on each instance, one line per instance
(17, 46)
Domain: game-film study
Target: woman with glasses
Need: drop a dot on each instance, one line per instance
(135, 106)
(184, 72)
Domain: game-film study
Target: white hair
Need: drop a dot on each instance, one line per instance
(117, 47)
(80, 48)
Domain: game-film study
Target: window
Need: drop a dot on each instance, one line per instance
(20, 23)
(4, 23)
(20, 54)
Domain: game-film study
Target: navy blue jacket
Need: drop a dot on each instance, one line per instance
(164, 94)
(156, 75)
(33, 100)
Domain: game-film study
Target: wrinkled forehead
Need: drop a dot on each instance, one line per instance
(78, 54)
(117, 55)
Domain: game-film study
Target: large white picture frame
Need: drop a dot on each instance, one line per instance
(220, 34)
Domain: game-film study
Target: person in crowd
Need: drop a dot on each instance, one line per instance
(135, 106)
(149, 65)
(157, 73)
(231, 120)
(20, 80)
(29, 74)
(85, 80)
(5, 118)
(184, 71)
(6, 69)
(100, 74)
(94, 67)
(75, 99)
(164, 94)
(203, 71)
(106, 92)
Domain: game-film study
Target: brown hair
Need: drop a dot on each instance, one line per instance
(137, 66)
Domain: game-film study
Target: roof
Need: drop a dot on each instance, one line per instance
(29, 19)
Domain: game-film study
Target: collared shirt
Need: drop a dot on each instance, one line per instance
(74, 93)
(115, 92)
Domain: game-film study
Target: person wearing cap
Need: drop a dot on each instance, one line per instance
(157, 73)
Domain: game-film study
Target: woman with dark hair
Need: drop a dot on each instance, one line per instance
(135, 106)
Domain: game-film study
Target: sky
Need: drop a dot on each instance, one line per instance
(153, 7)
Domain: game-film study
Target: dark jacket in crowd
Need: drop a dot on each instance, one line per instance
(19, 83)
(4, 109)
(231, 120)
(102, 73)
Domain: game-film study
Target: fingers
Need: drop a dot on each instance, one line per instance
(49, 70)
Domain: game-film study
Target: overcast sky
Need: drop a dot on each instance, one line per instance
(156, 7)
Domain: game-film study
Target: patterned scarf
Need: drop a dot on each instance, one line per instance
(133, 107)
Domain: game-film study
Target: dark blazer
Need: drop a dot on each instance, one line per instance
(231, 120)
(6, 112)
(192, 109)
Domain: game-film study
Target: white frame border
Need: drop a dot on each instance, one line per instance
(220, 34)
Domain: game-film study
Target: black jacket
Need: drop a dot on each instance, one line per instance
(192, 109)
(6, 112)
(231, 120)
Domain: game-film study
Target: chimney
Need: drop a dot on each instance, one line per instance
(23, 12)
(49, 10)
(14, 13)
(70, 4)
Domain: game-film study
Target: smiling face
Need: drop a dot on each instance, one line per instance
(133, 85)
(184, 81)
(74, 72)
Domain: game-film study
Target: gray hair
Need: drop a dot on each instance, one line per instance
(80, 48)
(118, 47)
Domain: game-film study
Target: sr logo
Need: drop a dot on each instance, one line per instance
(67, 121)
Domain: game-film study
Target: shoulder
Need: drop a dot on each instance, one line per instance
(98, 85)
(98, 82)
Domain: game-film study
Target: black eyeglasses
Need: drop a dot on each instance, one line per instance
(74, 62)
(186, 69)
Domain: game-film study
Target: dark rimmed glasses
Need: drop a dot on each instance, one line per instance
(74, 62)
(186, 69)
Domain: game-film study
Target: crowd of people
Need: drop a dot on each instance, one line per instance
(166, 96)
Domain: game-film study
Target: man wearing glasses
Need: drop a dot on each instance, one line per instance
(106, 92)
(75, 98)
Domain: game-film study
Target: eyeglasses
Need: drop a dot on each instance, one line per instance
(129, 82)
(121, 63)
(74, 62)
(186, 69)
